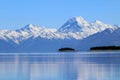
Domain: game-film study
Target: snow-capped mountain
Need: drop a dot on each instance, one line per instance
(75, 24)
(79, 27)
(32, 38)
(108, 37)
(35, 31)
(25, 33)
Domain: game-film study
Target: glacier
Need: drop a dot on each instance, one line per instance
(76, 33)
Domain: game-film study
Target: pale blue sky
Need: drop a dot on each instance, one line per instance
(16, 14)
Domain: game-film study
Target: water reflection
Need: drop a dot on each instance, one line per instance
(58, 67)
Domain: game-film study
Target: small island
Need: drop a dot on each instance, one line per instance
(66, 50)
(105, 48)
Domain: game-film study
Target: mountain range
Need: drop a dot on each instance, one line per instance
(76, 33)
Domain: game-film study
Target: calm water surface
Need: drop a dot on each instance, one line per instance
(60, 66)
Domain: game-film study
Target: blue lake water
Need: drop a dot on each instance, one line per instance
(60, 66)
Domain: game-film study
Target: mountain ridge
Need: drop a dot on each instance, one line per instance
(74, 31)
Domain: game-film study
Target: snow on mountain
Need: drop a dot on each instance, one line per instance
(98, 26)
(25, 33)
(78, 24)
(2, 33)
(76, 33)
(79, 28)
(108, 37)
(31, 30)
(75, 24)
(75, 28)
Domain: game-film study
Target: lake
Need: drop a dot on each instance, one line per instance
(60, 66)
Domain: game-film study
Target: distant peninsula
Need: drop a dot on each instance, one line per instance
(105, 48)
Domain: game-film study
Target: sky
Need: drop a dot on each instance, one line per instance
(15, 14)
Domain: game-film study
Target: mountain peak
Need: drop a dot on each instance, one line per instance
(98, 22)
(29, 26)
(78, 19)
(74, 24)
